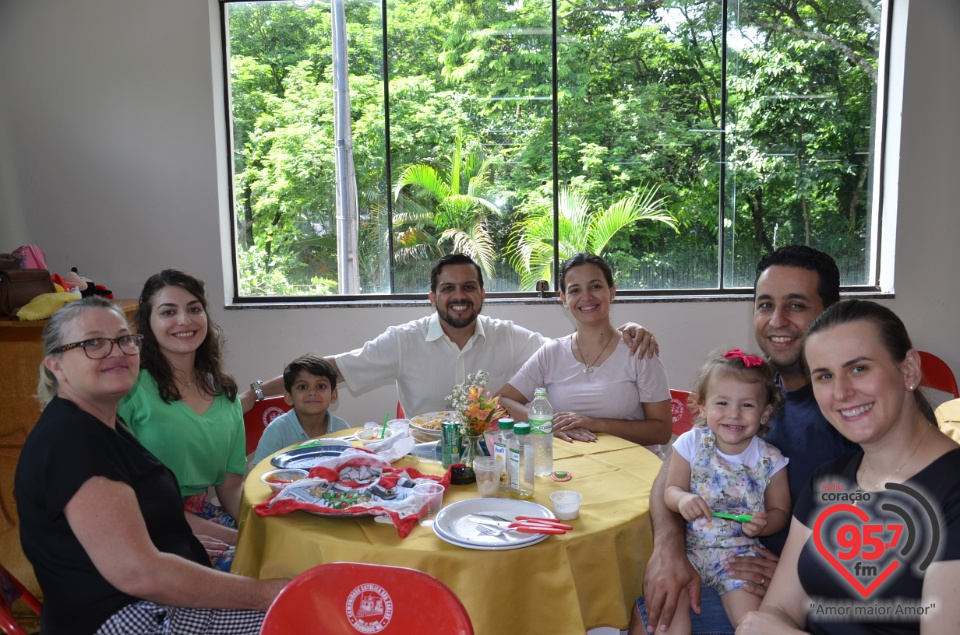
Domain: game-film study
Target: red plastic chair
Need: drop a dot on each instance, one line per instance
(683, 416)
(262, 413)
(10, 590)
(937, 375)
(346, 598)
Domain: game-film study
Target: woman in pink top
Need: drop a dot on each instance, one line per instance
(594, 383)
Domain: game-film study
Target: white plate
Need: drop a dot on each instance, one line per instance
(306, 456)
(422, 433)
(453, 524)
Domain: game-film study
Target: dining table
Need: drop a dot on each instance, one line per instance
(564, 585)
(948, 417)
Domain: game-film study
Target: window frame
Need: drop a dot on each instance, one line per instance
(883, 208)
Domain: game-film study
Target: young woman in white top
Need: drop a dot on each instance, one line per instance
(593, 382)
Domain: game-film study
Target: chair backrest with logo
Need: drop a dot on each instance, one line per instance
(683, 416)
(259, 417)
(346, 598)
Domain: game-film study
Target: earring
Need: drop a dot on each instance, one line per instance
(912, 387)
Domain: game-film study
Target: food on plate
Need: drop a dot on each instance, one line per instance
(276, 479)
(336, 498)
(426, 427)
(372, 435)
(431, 420)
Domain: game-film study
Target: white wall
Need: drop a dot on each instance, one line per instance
(111, 134)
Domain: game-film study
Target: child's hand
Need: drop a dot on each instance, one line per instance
(755, 526)
(692, 507)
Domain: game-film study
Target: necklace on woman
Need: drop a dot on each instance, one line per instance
(588, 368)
(186, 384)
(863, 464)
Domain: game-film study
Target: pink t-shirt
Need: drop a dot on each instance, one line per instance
(616, 389)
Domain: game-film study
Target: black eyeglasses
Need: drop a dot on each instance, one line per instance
(100, 347)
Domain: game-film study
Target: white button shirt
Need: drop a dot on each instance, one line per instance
(426, 364)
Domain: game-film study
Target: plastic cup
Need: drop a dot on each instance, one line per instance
(566, 504)
(430, 496)
(487, 469)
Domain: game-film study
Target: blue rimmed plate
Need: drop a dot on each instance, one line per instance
(307, 457)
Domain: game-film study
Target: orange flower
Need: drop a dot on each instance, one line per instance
(476, 408)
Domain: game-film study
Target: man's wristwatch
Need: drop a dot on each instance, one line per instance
(257, 389)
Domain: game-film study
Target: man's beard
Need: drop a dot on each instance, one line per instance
(458, 323)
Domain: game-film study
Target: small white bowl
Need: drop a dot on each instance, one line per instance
(276, 479)
(372, 435)
(566, 504)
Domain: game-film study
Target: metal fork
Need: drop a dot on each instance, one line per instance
(492, 531)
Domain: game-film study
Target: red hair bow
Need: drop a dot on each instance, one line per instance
(748, 360)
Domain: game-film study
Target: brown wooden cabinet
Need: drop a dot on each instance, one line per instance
(21, 352)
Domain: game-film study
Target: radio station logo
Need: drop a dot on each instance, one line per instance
(870, 545)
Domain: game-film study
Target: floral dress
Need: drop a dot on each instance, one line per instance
(733, 484)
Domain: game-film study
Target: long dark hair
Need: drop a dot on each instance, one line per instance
(208, 361)
(893, 334)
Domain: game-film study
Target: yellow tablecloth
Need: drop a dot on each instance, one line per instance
(564, 585)
(948, 416)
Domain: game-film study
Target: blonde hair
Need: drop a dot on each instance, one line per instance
(53, 335)
(735, 365)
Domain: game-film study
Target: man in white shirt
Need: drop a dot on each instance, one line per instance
(429, 356)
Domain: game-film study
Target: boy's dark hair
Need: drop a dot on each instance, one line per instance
(452, 259)
(803, 257)
(313, 364)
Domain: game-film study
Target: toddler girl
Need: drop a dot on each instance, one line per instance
(725, 467)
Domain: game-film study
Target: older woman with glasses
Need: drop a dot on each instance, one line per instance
(101, 519)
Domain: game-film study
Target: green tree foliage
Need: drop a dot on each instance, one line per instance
(579, 230)
(475, 155)
(437, 206)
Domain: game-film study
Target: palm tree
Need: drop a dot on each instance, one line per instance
(531, 243)
(435, 207)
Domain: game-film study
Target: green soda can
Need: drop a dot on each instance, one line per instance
(450, 443)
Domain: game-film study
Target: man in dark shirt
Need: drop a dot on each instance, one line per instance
(793, 286)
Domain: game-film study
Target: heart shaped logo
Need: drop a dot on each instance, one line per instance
(825, 551)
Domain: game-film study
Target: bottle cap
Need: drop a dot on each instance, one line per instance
(505, 423)
(521, 428)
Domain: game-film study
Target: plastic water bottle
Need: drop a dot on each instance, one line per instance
(541, 429)
(500, 445)
(521, 455)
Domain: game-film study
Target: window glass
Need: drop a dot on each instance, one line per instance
(679, 139)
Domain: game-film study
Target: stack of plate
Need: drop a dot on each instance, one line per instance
(425, 427)
(456, 523)
(309, 454)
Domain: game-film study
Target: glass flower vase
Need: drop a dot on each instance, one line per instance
(472, 448)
